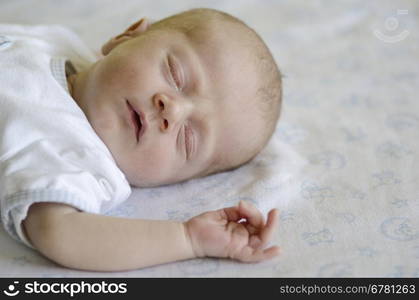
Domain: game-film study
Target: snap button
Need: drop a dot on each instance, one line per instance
(4, 42)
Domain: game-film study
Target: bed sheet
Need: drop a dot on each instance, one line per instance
(343, 164)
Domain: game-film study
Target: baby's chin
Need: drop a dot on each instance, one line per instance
(141, 181)
(144, 182)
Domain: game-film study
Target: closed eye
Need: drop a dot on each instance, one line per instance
(175, 73)
(188, 134)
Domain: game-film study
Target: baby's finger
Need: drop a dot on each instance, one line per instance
(250, 255)
(232, 213)
(270, 253)
(252, 214)
(271, 225)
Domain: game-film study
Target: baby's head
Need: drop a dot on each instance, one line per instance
(188, 96)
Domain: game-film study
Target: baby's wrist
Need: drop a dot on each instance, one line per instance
(191, 240)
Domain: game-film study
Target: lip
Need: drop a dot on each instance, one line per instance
(134, 115)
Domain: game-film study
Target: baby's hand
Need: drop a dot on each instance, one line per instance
(220, 234)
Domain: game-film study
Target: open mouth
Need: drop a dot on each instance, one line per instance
(136, 121)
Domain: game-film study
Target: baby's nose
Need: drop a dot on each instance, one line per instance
(169, 111)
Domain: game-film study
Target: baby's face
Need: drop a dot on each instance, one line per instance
(168, 107)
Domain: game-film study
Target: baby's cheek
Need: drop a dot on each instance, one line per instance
(156, 159)
(112, 72)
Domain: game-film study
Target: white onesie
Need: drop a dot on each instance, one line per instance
(48, 150)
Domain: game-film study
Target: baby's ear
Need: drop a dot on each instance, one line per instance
(133, 31)
(138, 27)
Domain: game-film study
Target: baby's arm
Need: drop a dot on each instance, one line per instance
(103, 243)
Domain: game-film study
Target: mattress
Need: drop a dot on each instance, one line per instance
(342, 166)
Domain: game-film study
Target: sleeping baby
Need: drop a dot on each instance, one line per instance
(188, 96)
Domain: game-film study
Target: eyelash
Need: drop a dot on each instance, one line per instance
(188, 140)
(174, 74)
